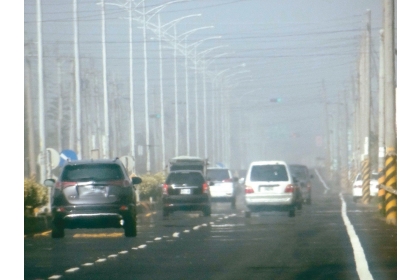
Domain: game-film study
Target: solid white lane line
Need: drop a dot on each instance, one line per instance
(362, 267)
(72, 269)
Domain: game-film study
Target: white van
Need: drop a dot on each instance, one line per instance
(269, 186)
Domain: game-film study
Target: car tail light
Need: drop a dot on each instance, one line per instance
(63, 185)
(124, 208)
(165, 189)
(227, 180)
(249, 189)
(289, 188)
(205, 188)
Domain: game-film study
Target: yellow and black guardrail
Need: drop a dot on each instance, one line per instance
(390, 186)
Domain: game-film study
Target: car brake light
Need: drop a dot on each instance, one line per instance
(165, 189)
(205, 188)
(289, 188)
(249, 189)
(60, 185)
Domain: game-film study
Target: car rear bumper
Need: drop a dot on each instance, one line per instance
(269, 200)
(94, 216)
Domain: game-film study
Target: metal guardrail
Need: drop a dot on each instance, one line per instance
(388, 189)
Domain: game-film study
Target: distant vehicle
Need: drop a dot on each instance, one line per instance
(269, 185)
(301, 173)
(188, 163)
(225, 185)
(186, 190)
(93, 194)
(358, 186)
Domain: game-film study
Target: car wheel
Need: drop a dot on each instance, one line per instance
(292, 212)
(233, 203)
(57, 229)
(247, 214)
(207, 211)
(130, 227)
(165, 212)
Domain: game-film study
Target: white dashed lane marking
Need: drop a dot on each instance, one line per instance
(72, 269)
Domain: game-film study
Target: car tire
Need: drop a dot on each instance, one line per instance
(233, 203)
(207, 211)
(247, 214)
(292, 212)
(165, 213)
(57, 230)
(130, 227)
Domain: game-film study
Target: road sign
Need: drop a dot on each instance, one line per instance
(67, 155)
(53, 157)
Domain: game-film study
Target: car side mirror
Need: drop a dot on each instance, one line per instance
(49, 183)
(136, 180)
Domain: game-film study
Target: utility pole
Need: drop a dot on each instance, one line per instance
(390, 112)
(30, 126)
(42, 150)
(77, 81)
(381, 126)
(365, 99)
(327, 136)
(105, 151)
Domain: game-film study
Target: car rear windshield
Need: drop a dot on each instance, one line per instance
(276, 172)
(217, 174)
(95, 172)
(301, 172)
(190, 179)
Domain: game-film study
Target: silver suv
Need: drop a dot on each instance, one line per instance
(93, 194)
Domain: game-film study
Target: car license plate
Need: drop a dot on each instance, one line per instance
(185, 191)
(268, 189)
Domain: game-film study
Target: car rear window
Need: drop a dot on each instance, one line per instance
(301, 172)
(276, 172)
(191, 179)
(217, 174)
(96, 172)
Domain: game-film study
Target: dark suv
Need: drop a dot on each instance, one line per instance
(93, 194)
(186, 190)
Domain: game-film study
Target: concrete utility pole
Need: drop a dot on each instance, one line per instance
(105, 152)
(381, 126)
(29, 114)
(42, 150)
(77, 81)
(390, 113)
(327, 136)
(365, 98)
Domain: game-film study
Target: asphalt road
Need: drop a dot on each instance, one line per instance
(333, 238)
